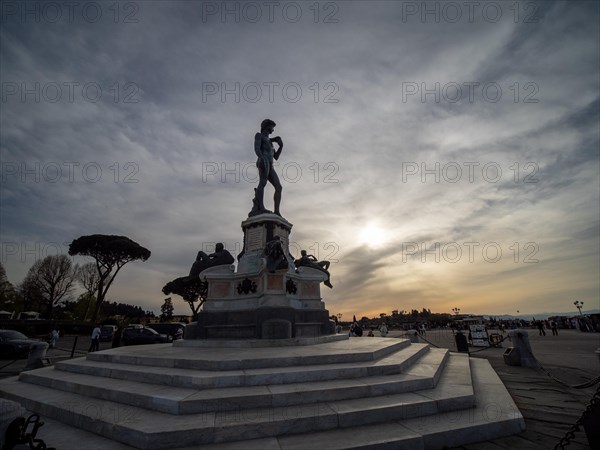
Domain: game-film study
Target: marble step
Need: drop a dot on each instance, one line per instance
(217, 359)
(494, 415)
(204, 379)
(148, 429)
(177, 400)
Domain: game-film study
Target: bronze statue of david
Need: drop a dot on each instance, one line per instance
(266, 153)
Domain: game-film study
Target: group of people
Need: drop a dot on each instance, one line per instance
(97, 331)
(95, 345)
(541, 327)
(357, 330)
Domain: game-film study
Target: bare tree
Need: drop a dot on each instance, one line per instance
(29, 297)
(54, 277)
(88, 277)
(7, 291)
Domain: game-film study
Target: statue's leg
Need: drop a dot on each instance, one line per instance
(327, 282)
(274, 179)
(263, 173)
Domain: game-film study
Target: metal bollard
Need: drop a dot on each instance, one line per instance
(413, 335)
(512, 356)
(74, 346)
(462, 345)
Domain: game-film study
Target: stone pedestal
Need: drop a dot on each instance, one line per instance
(520, 341)
(254, 303)
(258, 230)
(37, 353)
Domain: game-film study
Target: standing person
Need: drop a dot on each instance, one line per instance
(178, 334)
(54, 338)
(383, 330)
(263, 147)
(117, 336)
(423, 332)
(554, 328)
(352, 329)
(95, 345)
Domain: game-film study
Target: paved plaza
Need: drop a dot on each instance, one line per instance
(548, 407)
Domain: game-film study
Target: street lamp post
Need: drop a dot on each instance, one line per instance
(578, 305)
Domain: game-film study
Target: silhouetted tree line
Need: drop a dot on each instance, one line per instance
(123, 309)
(50, 281)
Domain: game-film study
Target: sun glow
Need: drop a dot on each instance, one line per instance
(373, 236)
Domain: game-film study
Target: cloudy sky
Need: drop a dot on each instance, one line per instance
(440, 154)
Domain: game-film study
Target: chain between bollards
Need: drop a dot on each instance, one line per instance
(566, 439)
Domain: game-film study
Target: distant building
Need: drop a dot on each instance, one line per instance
(473, 320)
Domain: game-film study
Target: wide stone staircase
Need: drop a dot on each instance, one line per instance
(319, 393)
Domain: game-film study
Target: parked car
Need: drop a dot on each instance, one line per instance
(175, 330)
(144, 335)
(14, 345)
(107, 332)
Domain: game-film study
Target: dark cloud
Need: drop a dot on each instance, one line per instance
(153, 125)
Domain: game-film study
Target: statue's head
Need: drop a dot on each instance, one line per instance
(219, 247)
(267, 124)
(303, 252)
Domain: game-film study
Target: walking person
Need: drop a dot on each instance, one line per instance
(95, 345)
(540, 326)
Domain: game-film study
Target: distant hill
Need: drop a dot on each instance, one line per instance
(541, 315)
